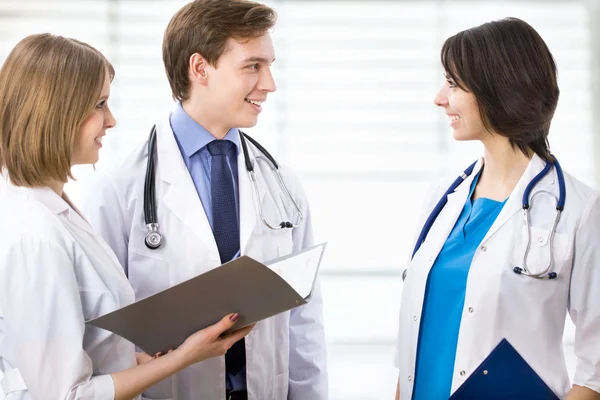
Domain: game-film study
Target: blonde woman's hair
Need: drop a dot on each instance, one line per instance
(48, 86)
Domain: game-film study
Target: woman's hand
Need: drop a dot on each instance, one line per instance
(209, 343)
(142, 358)
(202, 345)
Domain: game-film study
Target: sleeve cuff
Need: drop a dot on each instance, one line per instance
(104, 387)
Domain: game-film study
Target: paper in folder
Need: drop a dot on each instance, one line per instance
(245, 286)
(504, 374)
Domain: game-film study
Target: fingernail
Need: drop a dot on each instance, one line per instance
(234, 317)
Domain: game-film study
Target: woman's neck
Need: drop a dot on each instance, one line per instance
(503, 168)
(57, 187)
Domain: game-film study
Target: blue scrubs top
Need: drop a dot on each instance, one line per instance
(445, 298)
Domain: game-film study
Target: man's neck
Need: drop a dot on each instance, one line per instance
(200, 115)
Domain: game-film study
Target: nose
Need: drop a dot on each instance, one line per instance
(441, 98)
(109, 119)
(267, 82)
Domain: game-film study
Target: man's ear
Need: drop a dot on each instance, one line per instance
(198, 69)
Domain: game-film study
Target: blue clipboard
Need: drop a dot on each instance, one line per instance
(504, 374)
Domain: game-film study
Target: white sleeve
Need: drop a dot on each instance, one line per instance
(308, 359)
(103, 210)
(44, 324)
(584, 295)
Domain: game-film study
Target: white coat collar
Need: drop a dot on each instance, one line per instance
(59, 205)
(248, 209)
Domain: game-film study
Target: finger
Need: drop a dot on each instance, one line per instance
(235, 336)
(224, 324)
(142, 358)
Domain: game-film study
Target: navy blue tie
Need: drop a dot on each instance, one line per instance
(225, 226)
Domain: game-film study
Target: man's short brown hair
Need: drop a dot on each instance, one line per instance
(203, 27)
(48, 86)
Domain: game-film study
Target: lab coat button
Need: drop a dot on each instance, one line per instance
(415, 318)
(483, 248)
(409, 378)
(471, 309)
(462, 373)
(541, 239)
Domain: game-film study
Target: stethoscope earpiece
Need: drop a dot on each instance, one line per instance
(518, 270)
(550, 275)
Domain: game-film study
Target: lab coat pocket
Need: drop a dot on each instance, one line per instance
(148, 274)
(280, 386)
(277, 243)
(545, 250)
(284, 245)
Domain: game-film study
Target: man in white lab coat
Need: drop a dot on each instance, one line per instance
(217, 56)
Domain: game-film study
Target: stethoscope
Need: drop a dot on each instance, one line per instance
(154, 239)
(560, 205)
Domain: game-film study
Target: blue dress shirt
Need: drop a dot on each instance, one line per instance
(445, 298)
(192, 140)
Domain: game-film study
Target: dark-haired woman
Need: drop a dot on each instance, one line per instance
(509, 247)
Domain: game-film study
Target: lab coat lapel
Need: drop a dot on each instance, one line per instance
(77, 217)
(450, 213)
(249, 216)
(62, 206)
(181, 197)
(514, 203)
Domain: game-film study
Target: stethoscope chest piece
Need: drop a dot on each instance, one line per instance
(153, 239)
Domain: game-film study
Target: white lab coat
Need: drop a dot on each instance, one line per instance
(285, 354)
(55, 274)
(499, 304)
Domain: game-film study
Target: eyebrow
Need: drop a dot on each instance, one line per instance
(259, 59)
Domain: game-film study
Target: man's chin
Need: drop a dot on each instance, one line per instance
(248, 123)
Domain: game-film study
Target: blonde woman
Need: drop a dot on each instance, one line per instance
(55, 272)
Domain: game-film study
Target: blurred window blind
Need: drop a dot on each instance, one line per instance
(353, 115)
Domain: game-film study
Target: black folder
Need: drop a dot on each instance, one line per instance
(504, 374)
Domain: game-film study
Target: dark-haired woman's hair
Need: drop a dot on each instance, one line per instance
(512, 74)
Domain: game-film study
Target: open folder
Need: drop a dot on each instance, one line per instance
(245, 286)
(504, 374)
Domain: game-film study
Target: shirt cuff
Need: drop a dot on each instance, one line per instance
(104, 387)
